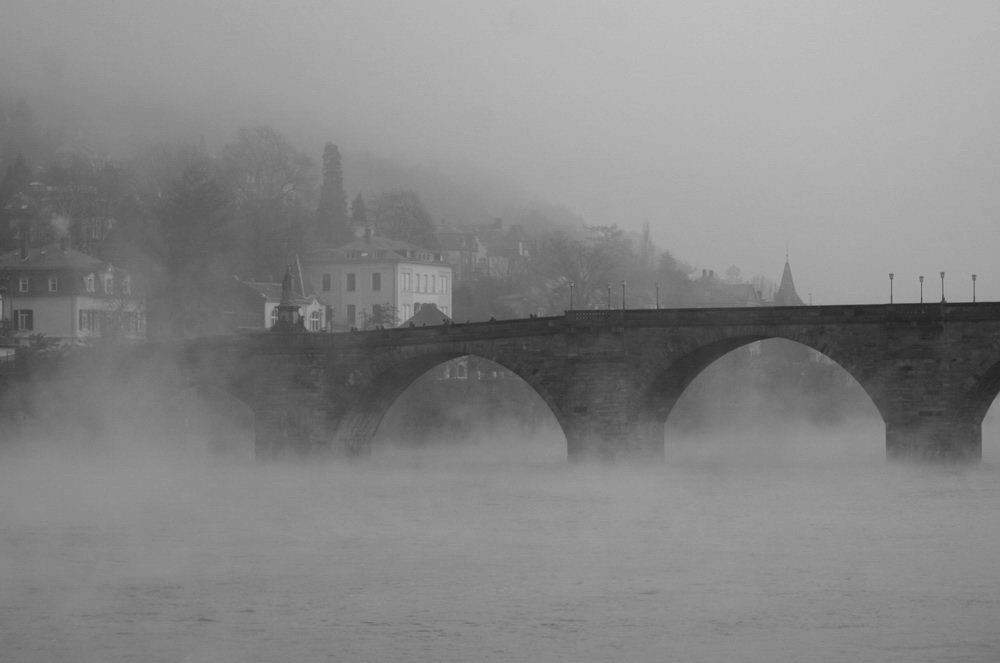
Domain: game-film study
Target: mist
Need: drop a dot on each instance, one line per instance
(859, 136)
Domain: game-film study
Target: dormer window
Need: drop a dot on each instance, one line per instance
(90, 282)
(53, 284)
(126, 285)
(22, 284)
(108, 284)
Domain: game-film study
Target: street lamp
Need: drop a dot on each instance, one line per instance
(942, 287)
(657, 295)
(609, 296)
(623, 295)
(891, 275)
(973, 288)
(571, 284)
(921, 289)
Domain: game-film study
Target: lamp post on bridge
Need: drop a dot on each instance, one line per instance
(657, 295)
(571, 284)
(891, 275)
(623, 294)
(609, 296)
(942, 287)
(973, 288)
(921, 289)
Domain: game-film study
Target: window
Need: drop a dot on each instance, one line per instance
(444, 285)
(376, 280)
(350, 282)
(377, 314)
(126, 285)
(433, 284)
(423, 283)
(274, 316)
(350, 314)
(90, 320)
(89, 282)
(22, 284)
(314, 321)
(326, 283)
(53, 284)
(25, 319)
(108, 284)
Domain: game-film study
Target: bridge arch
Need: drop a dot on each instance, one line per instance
(393, 375)
(676, 373)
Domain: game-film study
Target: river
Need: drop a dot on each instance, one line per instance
(807, 548)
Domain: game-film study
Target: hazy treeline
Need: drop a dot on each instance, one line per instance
(187, 217)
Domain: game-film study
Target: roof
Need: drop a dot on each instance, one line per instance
(455, 240)
(369, 249)
(429, 314)
(51, 256)
(271, 292)
(786, 295)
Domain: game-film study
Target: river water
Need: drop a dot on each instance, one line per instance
(807, 548)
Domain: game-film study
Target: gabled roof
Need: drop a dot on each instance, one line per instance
(271, 292)
(429, 314)
(51, 256)
(786, 295)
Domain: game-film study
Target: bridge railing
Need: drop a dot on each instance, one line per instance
(841, 313)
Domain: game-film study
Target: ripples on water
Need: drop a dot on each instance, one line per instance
(798, 550)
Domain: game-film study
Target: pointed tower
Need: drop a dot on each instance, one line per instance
(786, 295)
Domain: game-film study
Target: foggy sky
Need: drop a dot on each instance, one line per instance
(861, 135)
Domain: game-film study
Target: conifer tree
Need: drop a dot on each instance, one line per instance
(359, 213)
(331, 215)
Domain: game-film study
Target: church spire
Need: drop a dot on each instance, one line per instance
(786, 295)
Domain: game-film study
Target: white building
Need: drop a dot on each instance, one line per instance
(66, 295)
(378, 281)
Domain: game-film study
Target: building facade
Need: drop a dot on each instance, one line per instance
(377, 281)
(67, 295)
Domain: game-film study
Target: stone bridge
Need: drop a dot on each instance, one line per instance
(612, 377)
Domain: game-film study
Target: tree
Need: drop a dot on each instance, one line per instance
(270, 179)
(16, 178)
(332, 223)
(196, 233)
(195, 220)
(359, 213)
(591, 264)
(385, 315)
(401, 215)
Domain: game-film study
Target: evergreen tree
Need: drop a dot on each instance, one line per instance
(359, 213)
(16, 178)
(331, 215)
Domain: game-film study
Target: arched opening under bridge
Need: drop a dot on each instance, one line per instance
(774, 400)
(991, 434)
(470, 409)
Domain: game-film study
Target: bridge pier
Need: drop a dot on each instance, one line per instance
(936, 438)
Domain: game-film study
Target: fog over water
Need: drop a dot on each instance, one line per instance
(861, 138)
(777, 544)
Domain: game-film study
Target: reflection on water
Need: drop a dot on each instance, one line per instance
(798, 549)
